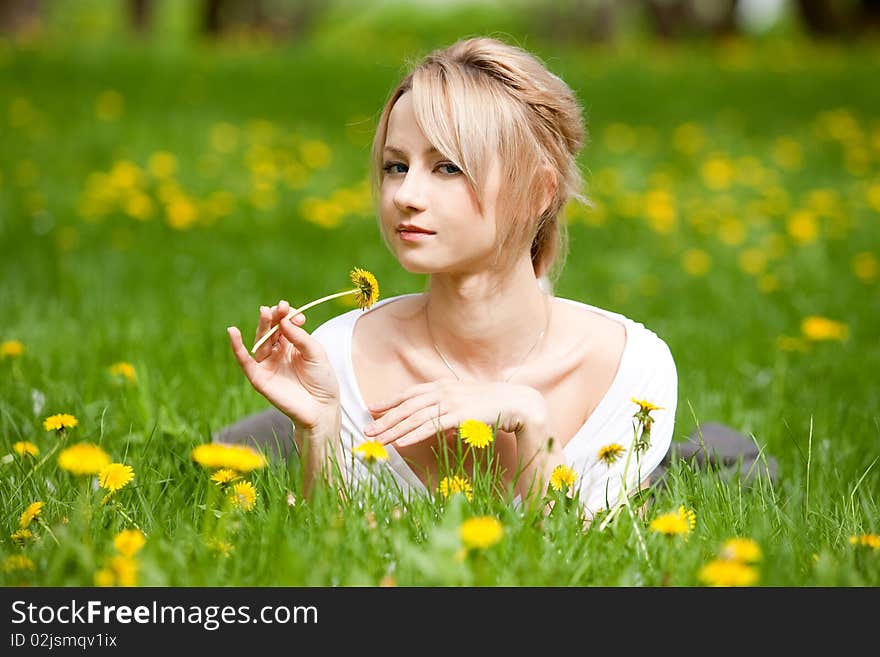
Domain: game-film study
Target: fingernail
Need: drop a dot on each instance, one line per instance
(300, 318)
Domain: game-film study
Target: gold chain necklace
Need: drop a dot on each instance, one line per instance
(525, 358)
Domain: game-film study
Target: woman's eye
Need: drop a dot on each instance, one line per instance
(450, 168)
(390, 167)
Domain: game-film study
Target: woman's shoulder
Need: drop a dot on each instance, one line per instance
(640, 340)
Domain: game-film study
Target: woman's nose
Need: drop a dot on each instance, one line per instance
(411, 192)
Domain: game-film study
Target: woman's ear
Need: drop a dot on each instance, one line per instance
(548, 184)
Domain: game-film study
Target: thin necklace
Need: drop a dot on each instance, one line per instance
(525, 358)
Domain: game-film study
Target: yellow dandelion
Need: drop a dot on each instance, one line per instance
(562, 478)
(128, 542)
(866, 540)
(689, 516)
(475, 433)
(822, 328)
(366, 293)
(646, 406)
(21, 536)
(83, 459)
(224, 476)
(244, 495)
(240, 458)
(105, 577)
(11, 349)
(455, 484)
(723, 572)
(371, 451)
(60, 422)
(670, 524)
(481, 532)
(609, 454)
(123, 370)
(17, 562)
(367, 287)
(744, 550)
(114, 476)
(125, 570)
(32, 511)
(222, 548)
(25, 448)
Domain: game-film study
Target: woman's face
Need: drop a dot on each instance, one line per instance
(425, 191)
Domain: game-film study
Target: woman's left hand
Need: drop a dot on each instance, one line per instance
(440, 406)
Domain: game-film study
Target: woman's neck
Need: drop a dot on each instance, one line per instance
(486, 327)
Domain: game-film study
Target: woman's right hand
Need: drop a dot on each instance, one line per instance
(290, 369)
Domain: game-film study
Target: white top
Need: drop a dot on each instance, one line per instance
(646, 372)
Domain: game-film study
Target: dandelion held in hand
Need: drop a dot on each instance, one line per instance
(366, 293)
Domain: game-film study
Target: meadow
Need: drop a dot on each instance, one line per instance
(151, 196)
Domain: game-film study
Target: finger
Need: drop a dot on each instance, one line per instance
(262, 326)
(248, 365)
(428, 429)
(408, 424)
(391, 402)
(399, 413)
(311, 349)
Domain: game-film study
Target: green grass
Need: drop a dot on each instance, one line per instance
(84, 292)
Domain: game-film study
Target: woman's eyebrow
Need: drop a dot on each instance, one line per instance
(398, 151)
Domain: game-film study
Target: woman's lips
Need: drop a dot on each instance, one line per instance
(413, 235)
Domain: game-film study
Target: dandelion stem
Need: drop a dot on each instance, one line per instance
(296, 311)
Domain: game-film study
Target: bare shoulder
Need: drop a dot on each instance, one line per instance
(384, 329)
(601, 337)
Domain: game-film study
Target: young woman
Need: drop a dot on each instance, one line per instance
(473, 160)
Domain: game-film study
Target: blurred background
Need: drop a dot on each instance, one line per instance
(167, 166)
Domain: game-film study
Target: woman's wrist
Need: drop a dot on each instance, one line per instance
(531, 415)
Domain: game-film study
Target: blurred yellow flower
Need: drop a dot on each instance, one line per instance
(455, 484)
(866, 540)
(689, 516)
(244, 495)
(865, 266)
(11, 349)
(32, 511)
(660, 211)
(744, 550)
(475, 433)
(21, 536)
(723, 572)
(24, 447)
(115, 476)
(610, 453)
(128, 542)
(315, 154)
(18, 562)
(108, 106)
(60, 422)
(240, 458)
(689, 138)
(803, 226)
(788, 153)
(83, 459)
(717, 172)
(822, 328)
(125, 570)
(619, 137)
(696, 262)
(162, 164)
(224, 137)
(124, 370)
(562, 478)
(371, 451)
(481, 532)
(181, 212)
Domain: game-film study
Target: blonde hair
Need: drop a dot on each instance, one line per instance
(479, 97)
